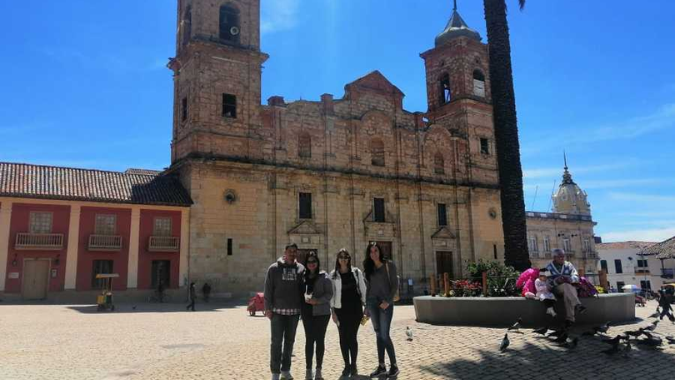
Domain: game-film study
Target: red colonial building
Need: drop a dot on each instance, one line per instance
(59, 227)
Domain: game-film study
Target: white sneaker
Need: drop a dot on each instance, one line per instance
(551, 312)
(286, 375)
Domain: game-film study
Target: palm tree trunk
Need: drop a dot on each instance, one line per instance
(506, 136)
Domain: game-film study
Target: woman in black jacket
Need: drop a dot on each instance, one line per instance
(315, 313)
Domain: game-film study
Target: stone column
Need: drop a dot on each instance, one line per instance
(183, 271)
(73, 247)
(5, 220)
(132, 272)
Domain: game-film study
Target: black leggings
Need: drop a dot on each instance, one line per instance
(350, 321)
(315, 332)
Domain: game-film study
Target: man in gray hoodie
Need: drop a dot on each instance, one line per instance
(283, 303)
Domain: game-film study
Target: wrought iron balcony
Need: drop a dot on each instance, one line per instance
(105, 242)
(164, 244)
(667, 273)
(642, 270)
(29, 241)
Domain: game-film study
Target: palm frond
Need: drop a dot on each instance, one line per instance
(522, 4)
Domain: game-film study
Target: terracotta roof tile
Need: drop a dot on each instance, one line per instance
(50, 182)
(662, 250)
(625, 245)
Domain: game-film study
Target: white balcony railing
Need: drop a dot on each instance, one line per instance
(105, 242)
(39, 241)
(164, 244)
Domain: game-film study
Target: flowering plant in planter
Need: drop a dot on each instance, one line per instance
(466, 288)
(501, 279)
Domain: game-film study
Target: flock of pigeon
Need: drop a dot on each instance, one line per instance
(650, 338)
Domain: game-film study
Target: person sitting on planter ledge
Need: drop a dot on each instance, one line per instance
(563, 276)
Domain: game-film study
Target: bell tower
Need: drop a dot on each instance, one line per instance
(457, 67)
(217, 79)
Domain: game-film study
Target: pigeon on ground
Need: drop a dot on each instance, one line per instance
(634, 334)
(602, 328)
(655, 315)
(614, 341)
(516, 326)
(409, 333)
(541, 331)
(651, 327)
(505, 343)
(670, 339)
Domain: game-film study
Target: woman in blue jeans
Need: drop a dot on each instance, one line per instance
(382, 284)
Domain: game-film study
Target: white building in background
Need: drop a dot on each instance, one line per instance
(624, 265)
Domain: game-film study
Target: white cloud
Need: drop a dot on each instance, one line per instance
(656, 235)
(278, 15)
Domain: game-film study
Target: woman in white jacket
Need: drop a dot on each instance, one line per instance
(349, 297)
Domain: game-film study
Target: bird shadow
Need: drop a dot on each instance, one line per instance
(533, 354)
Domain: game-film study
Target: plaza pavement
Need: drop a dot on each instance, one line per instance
(222, 342)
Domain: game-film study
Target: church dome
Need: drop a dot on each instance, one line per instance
(570, 198)
(456, 28)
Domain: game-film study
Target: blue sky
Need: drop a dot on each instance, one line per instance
(85, 85)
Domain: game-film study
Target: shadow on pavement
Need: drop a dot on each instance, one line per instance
(534, 354)
(158, 308)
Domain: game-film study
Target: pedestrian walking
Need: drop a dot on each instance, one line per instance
(193, 297)
(206, 291)
(382, 286)
(349, 298)
(315, 313)
(283, 303)
(665, 300)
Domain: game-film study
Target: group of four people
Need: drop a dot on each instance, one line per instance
(350, 296)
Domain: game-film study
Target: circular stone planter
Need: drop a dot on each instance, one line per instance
(501, 312)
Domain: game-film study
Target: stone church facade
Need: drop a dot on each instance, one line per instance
(335, 172)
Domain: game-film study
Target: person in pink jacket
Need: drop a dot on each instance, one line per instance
(526, 282)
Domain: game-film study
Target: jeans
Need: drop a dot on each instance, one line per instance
(283, 331)
(382, 325)
(315, 333)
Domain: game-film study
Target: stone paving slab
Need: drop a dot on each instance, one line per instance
(223, 342)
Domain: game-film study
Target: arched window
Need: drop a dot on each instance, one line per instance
(446, 93)
(229, 23)
(304, 145)
(478, 83)
(439, 164)
(377, 152)
(187, 25)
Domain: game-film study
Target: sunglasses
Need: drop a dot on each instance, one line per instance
(311, 261)
(344, 257)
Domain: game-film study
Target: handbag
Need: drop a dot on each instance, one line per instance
(397, 295)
